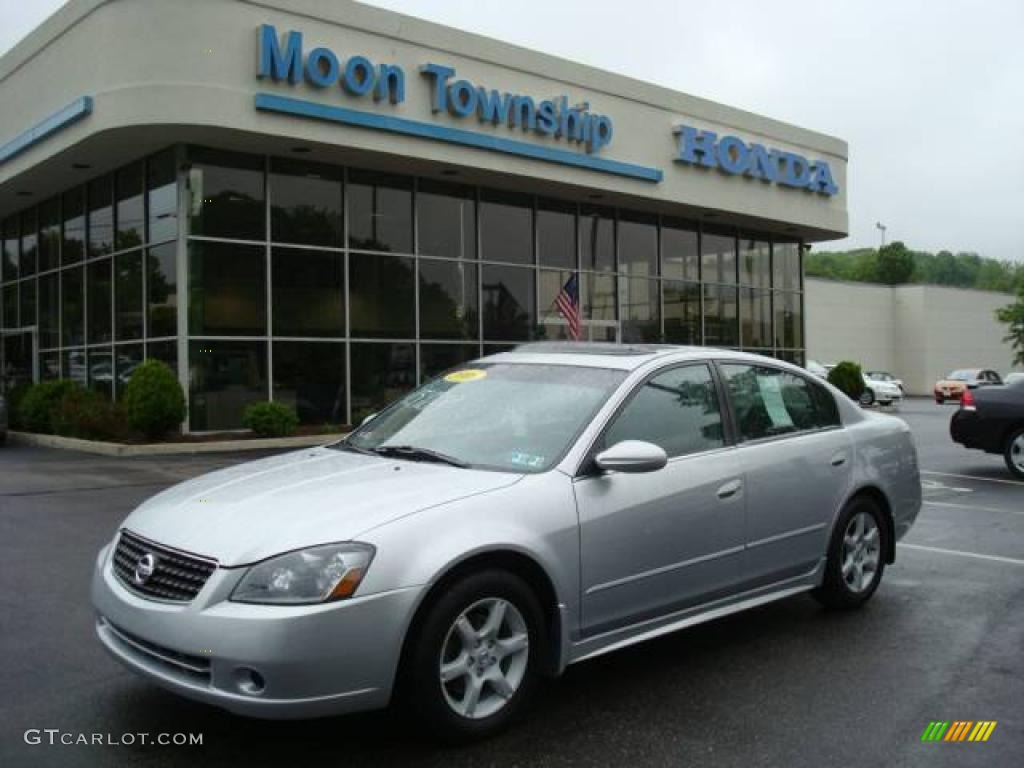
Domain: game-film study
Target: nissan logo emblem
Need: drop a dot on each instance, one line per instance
(144, 568)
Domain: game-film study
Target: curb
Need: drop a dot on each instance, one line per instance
(167, 449)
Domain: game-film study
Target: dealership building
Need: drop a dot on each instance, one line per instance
(325, 203)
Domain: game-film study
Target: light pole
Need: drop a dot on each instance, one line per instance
(881, 228)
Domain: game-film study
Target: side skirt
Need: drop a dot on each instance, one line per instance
(623, 637)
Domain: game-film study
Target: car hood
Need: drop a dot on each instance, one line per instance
(258, 509)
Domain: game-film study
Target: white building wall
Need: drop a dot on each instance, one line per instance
(918, 332)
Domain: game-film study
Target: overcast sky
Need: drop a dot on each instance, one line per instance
(929, 94)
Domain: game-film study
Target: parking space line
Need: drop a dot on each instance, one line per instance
(958, 553)
(973, 477)
(973, 507)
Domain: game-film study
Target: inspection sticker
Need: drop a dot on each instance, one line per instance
(469, 374)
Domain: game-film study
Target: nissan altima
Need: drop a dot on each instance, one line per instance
(518, 514)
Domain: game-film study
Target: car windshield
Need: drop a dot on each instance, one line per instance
(965, 375)
(509, 417)
(879, 375)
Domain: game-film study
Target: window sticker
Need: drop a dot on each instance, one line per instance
(526, 459)
(771, 396)
(466, 375)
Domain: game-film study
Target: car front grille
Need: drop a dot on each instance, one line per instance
(176, 576)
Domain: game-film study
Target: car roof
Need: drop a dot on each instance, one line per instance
(626, 357)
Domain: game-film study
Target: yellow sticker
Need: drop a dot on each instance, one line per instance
(469, 374)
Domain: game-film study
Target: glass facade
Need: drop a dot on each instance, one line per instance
(336, 289)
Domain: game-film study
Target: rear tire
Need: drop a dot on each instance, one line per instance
(939, 399)
(856, 556)
(867, 397)
(474, 661)
(1013, 453)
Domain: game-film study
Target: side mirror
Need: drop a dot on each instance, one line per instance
(368, 418)
(632, 456)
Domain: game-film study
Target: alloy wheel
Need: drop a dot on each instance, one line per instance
(1017, 452)
(862, 550)
(484, 658)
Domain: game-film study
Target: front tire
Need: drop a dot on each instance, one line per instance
(1013, 453)
(856, 556)
(475, 658)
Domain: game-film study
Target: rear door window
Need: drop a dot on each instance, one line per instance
(770, 402)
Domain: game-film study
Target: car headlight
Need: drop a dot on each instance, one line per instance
(313, 575)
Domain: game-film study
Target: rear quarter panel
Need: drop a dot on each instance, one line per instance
(885, 457)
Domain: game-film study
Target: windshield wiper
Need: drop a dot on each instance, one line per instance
(415, 453)
(345, 445)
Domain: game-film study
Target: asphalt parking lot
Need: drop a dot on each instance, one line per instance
(786, 684)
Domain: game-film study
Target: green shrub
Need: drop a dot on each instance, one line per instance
(89, 415)
(34, 412)
(154, 400)
(270, 419)
(848, 378)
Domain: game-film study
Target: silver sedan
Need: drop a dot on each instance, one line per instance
(527, 511)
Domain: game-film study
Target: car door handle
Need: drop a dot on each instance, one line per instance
(730, 489)
(838, 460)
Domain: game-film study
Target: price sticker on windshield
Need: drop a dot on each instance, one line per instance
(467, 375)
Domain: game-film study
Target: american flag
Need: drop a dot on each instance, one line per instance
(568, 302)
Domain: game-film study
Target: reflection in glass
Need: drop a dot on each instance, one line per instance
(755, 263)
(165, 351)
(755, 318)
(128, 295)
(226, 195)
(309, 292)
(73, 210)
(553, 324)
(101, 216)
(597, 238)
(305, 200)
(718, 258)
(438, 358)
(72, 289)
(162, 197)
(10, 296)
(680, 252)
(128, 357)
(310, 377)
(29, 242)
(49, 366)
(227, 289)
(682, 312)
(556, 234)
(10, 249)
(786, 258)
(28, 302)
(638, 245)
(448, 300)
(788, 320)
(379, 212)
(74, 366)
(101, 371)
(598, 296)
(641, 313)
(49, 234)
(49, 311)
(382, 293)
(508, 296)
(720, 325)
(131, 219)
(506, 227)
(162, 285)
(446, 218)
(381, 373)
(99, 301)
(225, 377)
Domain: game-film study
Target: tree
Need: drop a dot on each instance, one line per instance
(1013, 316)
(895, 264)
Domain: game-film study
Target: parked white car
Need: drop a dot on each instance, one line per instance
(1013, 377)
(886, 376)
(880, 392)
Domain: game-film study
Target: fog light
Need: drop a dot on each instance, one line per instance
(249, 681)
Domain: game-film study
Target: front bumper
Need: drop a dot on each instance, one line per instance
(309, 661)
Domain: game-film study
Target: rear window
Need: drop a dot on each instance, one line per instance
(964, 375)
(770, 402)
